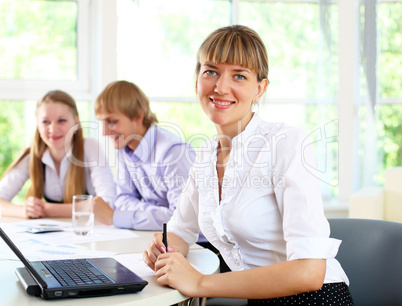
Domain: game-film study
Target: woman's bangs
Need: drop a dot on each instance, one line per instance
(230, 51)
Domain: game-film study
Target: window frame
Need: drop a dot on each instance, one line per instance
(97, 66)
(28, 89)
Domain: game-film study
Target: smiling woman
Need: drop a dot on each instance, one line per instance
(283, 235)
(56, 163)
(55, 121)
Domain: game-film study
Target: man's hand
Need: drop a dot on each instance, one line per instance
(102, 211)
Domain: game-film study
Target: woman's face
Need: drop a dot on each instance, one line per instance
(226, 93)
(55, 125)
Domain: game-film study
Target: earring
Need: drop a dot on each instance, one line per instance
(255, 101)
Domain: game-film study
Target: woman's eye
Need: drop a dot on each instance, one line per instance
(240, 77)
(62, 120)
(210, 72)
(45, 122)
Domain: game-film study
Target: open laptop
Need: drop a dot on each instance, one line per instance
(93, 277)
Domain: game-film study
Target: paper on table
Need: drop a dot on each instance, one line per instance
(36, 249)
(17, 227)
(135, 263)
(53, 252)
(48, 246)
(100, 232)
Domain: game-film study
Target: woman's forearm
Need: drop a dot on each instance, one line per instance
(178, 243)
(58, 210)
(12, 210)
(283, 279)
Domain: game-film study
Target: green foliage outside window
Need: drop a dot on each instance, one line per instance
(389, 123)
(390, 60)
(12, 131)
(38, 40)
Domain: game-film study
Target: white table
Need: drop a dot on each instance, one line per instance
(12, 293)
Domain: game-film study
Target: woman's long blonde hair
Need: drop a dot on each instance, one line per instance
(75, 180)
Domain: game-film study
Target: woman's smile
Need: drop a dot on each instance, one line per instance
(55, 138)
(221, 103)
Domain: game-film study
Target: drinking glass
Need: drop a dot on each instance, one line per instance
(83, 214)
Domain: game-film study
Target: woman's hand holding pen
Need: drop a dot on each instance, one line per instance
(170, 266)
(173, 270)
(157, 247)
(34, 208)
(154, 249)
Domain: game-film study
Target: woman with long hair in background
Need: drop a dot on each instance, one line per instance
(60, 163)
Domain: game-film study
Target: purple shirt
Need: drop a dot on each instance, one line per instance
(150, 180)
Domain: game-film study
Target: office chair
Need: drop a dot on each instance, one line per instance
(371, 255)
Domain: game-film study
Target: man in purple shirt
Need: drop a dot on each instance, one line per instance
(153, 162)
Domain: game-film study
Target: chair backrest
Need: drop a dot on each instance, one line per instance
(371, 255)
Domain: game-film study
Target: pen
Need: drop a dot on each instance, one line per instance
(164, 236)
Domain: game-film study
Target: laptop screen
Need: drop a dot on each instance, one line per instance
(25, 261)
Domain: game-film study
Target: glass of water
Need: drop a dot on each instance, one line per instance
(83, 214)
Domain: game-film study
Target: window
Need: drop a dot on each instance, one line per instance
(389, 107)
(44, 45)
(380, 92)
(335, 70)
(40, 40)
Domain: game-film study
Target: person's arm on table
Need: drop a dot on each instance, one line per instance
(57, 210)
(286, 278)
(10, 184)
(12, 210)
(122, 212)
(282, 279)
(131, 211)
(138, 214)
(102, 211)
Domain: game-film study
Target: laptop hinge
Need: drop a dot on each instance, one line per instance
(28, 282)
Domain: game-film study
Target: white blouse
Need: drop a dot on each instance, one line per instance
(271, 207)
(98, 176)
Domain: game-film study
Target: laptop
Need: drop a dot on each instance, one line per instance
(75, 278)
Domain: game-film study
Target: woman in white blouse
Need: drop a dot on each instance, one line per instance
(250, 193)
(60, 164)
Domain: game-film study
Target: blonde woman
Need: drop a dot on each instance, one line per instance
(60, 164)
(256, 202)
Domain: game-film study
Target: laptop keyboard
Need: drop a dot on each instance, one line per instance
(76, 272)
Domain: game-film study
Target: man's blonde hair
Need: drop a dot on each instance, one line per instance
(127, 98)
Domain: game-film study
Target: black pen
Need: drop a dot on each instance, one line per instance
(164, 236)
